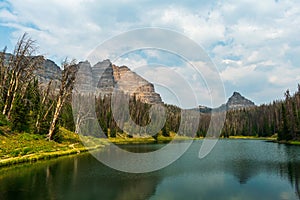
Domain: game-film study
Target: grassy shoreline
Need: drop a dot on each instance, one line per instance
(44, 156)
(147, 140)
(288, 142)
(252, 137)
(17, 148)
(162, 139)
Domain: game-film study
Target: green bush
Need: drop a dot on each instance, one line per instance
(3, 120)
(26, 150)
(15, 152)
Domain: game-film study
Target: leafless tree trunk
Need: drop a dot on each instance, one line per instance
(82, 110)
(21, 67)
(66, 87)
(41, 115)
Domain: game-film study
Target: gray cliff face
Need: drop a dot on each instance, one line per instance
(133, 84)
(84, 78)
(104, 77)
(49, 71)
(237, 101)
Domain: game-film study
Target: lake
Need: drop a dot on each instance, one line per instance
(235, 169)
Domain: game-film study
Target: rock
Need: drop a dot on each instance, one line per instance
(133, 84)
(84, 78)
(105, 77)
(48, 71)
(237, 101)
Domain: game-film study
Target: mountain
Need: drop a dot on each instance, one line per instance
(132, 83)
(237, 101)
(106, 77)
(48, 71)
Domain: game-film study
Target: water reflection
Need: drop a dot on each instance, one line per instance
(293, 167)
(234, 169)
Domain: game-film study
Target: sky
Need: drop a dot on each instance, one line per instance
(254, 45)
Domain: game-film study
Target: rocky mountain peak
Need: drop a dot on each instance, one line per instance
(133, 84)
(105, 77)
(237, 101)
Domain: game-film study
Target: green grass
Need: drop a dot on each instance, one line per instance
(25, 147)
(289, 142)
(252, 137)
(119, 140)
(295, 142)
(145, 140)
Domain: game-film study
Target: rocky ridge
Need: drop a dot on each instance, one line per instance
(104, 77)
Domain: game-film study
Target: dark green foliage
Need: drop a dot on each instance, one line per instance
(20, 115)
(138, 113)
(3, 120)
(113, 132)
(166, 130)
(284, 130)
(26, 108)
(66, 117)
(33, 98)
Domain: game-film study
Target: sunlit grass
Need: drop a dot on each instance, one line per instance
(252, 137)
(26, 147)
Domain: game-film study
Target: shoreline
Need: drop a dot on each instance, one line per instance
(32, 158)
(18, 148)
(251, 138)
(294, 143)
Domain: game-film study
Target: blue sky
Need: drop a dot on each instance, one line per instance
(255, 45)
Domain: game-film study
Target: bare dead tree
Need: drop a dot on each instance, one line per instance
(21, 67)
(67, 83)
(43, 106)
(82, 110)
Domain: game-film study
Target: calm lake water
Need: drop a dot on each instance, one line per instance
(235, 169)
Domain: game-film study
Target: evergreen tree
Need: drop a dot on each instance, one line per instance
(20, 115)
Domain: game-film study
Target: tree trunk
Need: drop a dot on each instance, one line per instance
(13, 98)
(8, 95)
(59, 105)
(67, 83)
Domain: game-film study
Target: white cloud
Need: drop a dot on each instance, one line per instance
(131, 62)
(5, 15)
